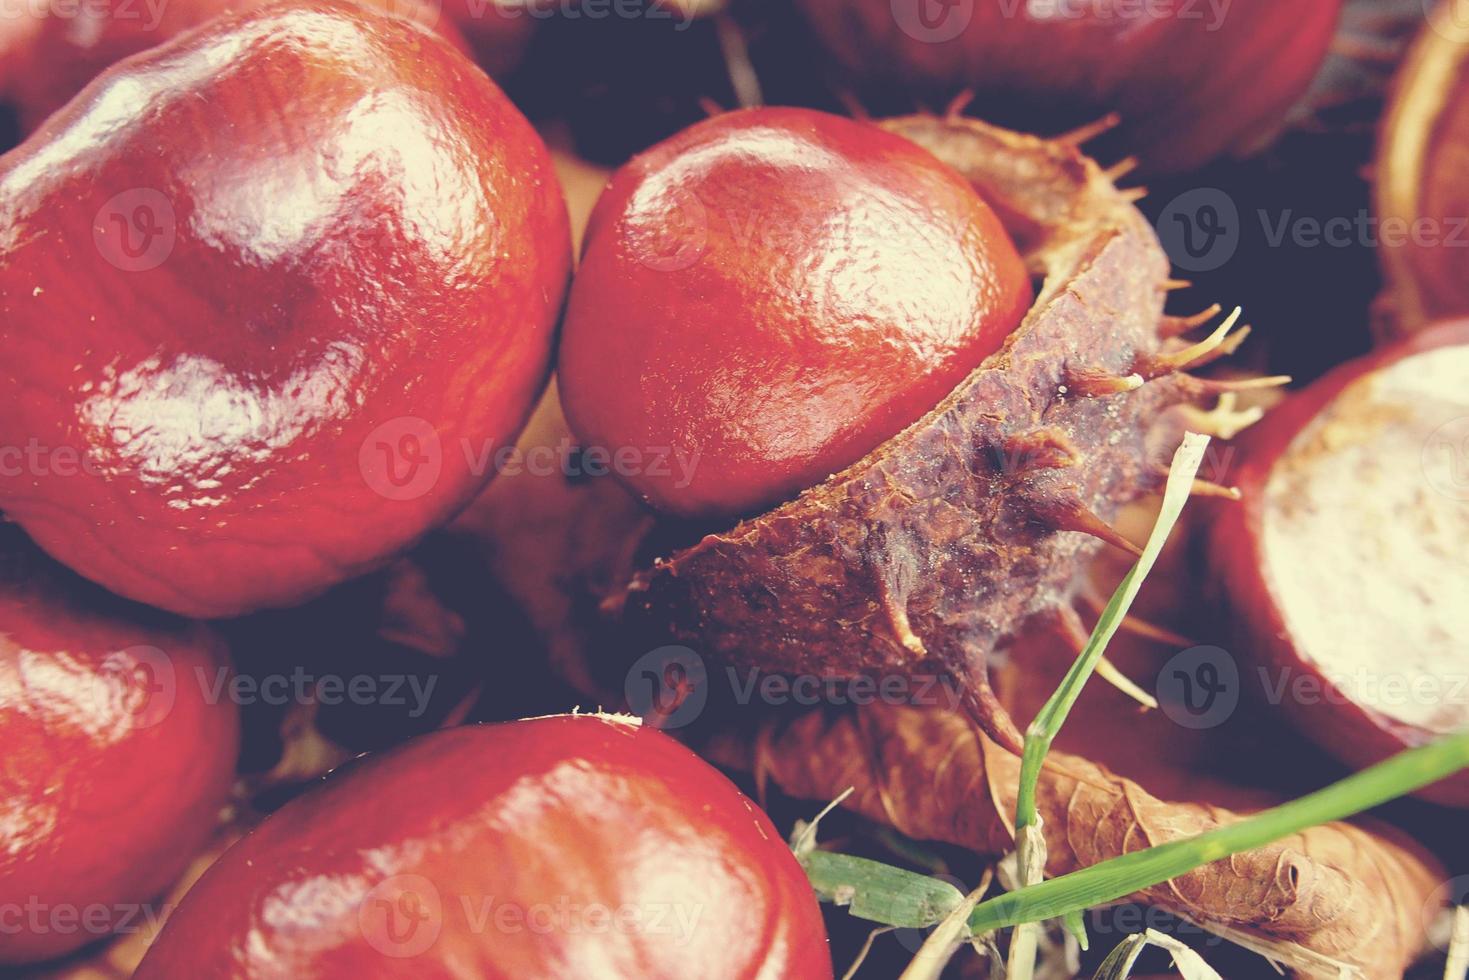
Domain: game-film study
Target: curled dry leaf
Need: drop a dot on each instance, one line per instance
(1352, 893)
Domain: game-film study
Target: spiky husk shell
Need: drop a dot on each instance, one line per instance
(929, 551)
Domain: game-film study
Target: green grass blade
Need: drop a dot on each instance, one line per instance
(1118, 877)
(1049, 719)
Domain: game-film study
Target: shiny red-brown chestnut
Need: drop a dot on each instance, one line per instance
(770, 294)
(66, 45)
(1191, 80)
(567, 846)
(117, 754)
(1345, 562)
(266, 294)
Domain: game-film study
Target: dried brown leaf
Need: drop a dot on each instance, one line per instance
(1353, 893)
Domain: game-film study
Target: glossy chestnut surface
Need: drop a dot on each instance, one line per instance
(567, 846)
(1192, 80)
(1344, 562)
(68, 45)
(266, 293)
(115, 758)
(769, 295)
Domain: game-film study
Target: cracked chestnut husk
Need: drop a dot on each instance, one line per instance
(932, 547)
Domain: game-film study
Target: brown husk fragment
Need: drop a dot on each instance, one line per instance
(1357, 895)
(944, 540)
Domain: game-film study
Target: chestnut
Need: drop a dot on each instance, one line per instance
(776, 274)
(323, 259)
(1344, 562)
(563, 846)
(772, 293)
(1190, 80)
(63, 47)
(1419, 184)
(118, 756)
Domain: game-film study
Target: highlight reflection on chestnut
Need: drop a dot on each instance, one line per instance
(255, 288)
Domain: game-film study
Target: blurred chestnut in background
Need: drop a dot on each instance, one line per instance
(1191, 80)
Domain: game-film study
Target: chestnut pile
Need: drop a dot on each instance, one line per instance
(307, 405)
